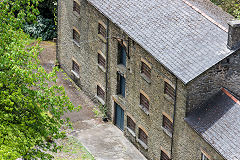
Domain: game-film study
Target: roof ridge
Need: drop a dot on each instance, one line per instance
(205, 15)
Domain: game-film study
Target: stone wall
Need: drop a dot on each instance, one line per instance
(85, 53)
(224, 74)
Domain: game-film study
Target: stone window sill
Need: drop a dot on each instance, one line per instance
(102, 38)
(76, 43)
(102, 68)
(168, 98)
(131, 132)
(100, 100)
(75, 74)
(121, 68)
(144, 110)
(166, 131)
(148, 80)
(142, 144)
(76, 13)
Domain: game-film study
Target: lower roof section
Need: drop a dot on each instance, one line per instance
(218, 122)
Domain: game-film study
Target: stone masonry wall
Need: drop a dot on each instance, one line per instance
(224, 74)
(84, 53)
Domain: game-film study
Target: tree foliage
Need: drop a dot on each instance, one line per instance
(30, 109)
(230, 6)
(48, 8)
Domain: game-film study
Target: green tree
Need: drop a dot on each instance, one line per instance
(30, 108)
(48, 8)
(230, 6)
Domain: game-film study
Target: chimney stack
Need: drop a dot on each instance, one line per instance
(234, 34)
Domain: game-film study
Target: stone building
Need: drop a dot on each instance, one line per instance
(167, 72)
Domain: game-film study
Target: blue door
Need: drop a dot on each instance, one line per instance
(119, 117)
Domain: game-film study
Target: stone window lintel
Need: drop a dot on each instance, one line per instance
(145, 95)
(119, 101)
(146, 62)
(101, 36)
(163, 150)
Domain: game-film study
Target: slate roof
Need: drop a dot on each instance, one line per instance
(218, 122)
(174, 32)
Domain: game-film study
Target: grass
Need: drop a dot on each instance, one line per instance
(73, 149)
(31, 41)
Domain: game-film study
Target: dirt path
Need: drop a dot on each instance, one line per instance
(103, 140)
(73, 149)
(47, 58)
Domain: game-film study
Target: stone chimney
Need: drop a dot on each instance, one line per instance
(234, 34)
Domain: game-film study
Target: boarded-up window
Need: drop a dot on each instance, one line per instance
(76, 7)
(167, 124)
(101, 30)
(164, 156)
(146, 70)
(144, 102)
(101, 60)
(75, 67)
(143, 136)
(100, 92)
(76, 36)
(169, 90)
(131, 124)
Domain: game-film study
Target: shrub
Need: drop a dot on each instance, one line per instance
(44, 28)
